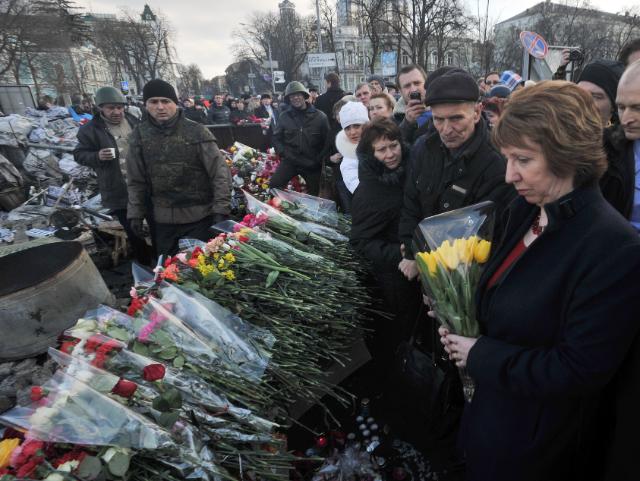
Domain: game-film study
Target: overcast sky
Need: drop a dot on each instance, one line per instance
(203, 28)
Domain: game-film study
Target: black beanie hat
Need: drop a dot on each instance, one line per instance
(606, 75)
(451, 86)
(158, 88)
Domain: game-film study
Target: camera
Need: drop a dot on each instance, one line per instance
(575, 56)
(415, 96)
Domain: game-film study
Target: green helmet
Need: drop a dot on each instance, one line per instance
(296, 87)
(109, 95)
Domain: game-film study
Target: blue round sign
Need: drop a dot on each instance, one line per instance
(534, 44)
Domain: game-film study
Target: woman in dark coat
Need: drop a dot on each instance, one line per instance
(375, 213)
(558, 302)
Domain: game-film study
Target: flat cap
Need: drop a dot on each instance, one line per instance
(454, 86)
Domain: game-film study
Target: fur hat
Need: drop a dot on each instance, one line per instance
(353, 113)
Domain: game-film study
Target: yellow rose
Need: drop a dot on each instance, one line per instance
(430, 261)
(481, 251)
(6, 448)
(448, 255)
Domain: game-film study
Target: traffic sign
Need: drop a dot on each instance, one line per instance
(319, 60)
(124, 86)
(278, 76)
(534, 44)
(252, 75)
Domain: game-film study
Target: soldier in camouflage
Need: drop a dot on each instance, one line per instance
(175, 168)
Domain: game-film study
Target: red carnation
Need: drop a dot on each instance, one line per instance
(109, 346)
(75, 455)
(29, 467)
(196, 252)
(99, 360)
(92, 343)
(153, 372)
(124, 388)
(37, 393)
(136, 305)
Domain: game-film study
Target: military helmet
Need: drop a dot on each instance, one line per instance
(296, 87)
(109, 95)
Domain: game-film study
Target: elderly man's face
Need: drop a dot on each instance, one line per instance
(628, 103)
(455, 122)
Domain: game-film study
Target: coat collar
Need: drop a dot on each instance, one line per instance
(346, 148)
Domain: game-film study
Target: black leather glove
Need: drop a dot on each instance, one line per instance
(217, 218)
(136, 227)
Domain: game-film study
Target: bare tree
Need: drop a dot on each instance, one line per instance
(290, 37)
(328, 21)
(13, 29)
(191, 79)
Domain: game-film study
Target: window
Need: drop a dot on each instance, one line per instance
(450, 58)
(434, 59)
(405, 59)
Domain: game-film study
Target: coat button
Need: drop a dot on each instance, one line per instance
(445, 205)
(460, 171)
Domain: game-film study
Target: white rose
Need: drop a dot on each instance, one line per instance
(54, 477)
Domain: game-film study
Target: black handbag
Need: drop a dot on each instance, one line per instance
(428, 389)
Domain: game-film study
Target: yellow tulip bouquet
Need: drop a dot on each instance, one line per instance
(451, 250)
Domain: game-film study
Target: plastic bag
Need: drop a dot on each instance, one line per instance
(312, 208)
(451, 250)
(300, 228)
(72, 412)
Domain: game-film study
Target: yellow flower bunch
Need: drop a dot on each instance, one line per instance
(221, 265)
(6, 448)
(461, 251)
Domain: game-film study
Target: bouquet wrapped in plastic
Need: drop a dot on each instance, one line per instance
(72, 412)
(309, 207)
(301, 230)
(452, 249)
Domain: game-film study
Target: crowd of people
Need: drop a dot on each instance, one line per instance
(557, 363)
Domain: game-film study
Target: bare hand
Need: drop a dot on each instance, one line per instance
(457, 347)
(415, 108)
(402, 250)
(408, 268)
(105, 154)
(336, 158)
(429, 303)
(565, 57)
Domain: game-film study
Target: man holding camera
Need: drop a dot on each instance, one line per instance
(454, 165)
(102, 145)
(412, 79)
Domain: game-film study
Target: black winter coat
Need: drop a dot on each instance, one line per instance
(438, 181)
(327, 100)
(618, 182)
(95, 136)
(375, 212)
(300, 137)
(197, 115)
(555, 329)
(218, 115)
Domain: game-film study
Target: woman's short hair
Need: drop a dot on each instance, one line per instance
(388, 99)
(376, 130)
(564, 121)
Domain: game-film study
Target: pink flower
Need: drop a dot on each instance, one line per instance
(133, 293)
(182, 257)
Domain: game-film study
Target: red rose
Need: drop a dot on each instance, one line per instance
(124, 388)
(31, 447)
(37, 393)
(153, 372)
(136, 305)
(196, 252)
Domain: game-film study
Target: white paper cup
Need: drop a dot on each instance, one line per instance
(112, 151)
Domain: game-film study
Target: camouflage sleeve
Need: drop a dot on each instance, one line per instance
(136, 179)
(219, 175)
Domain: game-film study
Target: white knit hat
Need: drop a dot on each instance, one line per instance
(353, 113)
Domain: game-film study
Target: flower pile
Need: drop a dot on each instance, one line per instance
(196, 379)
